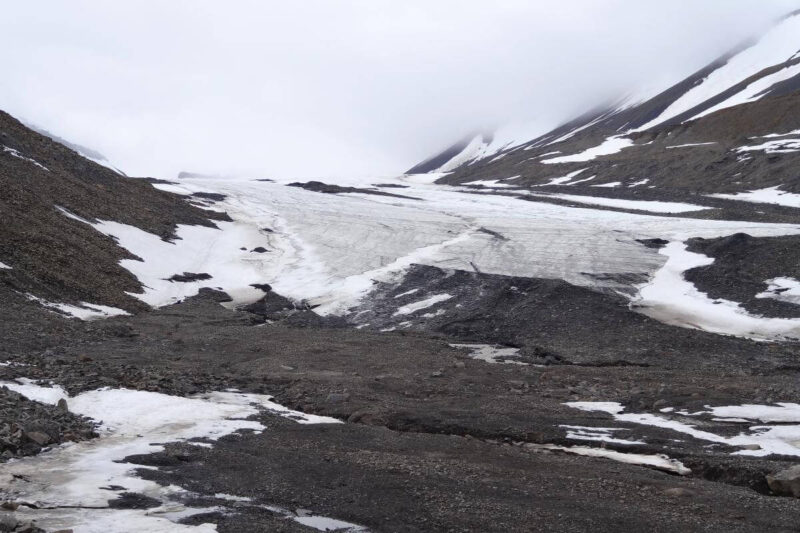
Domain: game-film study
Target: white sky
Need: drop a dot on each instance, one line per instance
(333, 87)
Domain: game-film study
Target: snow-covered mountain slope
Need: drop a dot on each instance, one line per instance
(60, 261)
(720, 118)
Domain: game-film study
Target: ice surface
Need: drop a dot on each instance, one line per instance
(331, 250)
(770, 195)
(612, 145)
(132, 422)
(609, 185)
(670, 298)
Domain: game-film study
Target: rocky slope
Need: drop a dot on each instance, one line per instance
(58, 258)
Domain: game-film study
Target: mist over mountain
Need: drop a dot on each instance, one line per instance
(579, 310)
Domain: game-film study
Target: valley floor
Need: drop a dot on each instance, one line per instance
(460, 362)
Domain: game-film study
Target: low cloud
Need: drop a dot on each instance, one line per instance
(320, 88)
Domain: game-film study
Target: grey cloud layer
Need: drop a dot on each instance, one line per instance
(324, 88)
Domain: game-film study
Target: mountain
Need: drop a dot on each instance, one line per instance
(595, 328)
(49, 251)
(733, 126)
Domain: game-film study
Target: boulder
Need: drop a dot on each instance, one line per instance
(786, 482)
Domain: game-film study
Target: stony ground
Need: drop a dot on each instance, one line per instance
(435, 440)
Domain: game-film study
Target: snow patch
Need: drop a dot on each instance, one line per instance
(422, 304)
(688, 145)
(83, 311)
(612, 145)
(770, 195)
(774, 48)
(564, 179)
(16, 154)
(766, 440)
(660, 462)
(491, 353)
(597, 434)
(131, 422)
(668, 297)
(782, 289)
(638, 205)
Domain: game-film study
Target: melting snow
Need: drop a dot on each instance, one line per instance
(770, 195)
(781, 440)
(612, 145)
(132, 421)
(783, 289)
(84, 311)
(689, 145)
(775, 47)
(639, 205)
(661, 462)
(755, 90)
(488, 183)
(778, 146)
(422, 304)
(491, 353)
(564, 179)
(597, 434)
(15, 153)
(670, 298)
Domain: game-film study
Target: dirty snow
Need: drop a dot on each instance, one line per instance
(660, 462)
(131, 422)
(16, 154)
(668, 297)
(782, 289)
(422, 304)
(83, 311)
(780, 439)
(491, 353)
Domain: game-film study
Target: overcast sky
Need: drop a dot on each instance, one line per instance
(332, 87)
